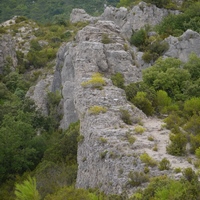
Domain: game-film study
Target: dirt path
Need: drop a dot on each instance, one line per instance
(155, 129)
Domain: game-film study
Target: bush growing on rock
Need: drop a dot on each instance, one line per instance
(118, 80)
(141, 101)
(164, 164)
(138, 38)
(177, 147)
(95, 110)
(105, 39)
(145, 158)
(137, 178)
(96, 81)
(139, 129)
(125, 116)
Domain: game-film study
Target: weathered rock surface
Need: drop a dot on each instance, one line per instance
(78, 15)
(127, 20)
(39, 93)
(7, 52)
(181, 47)
(91, 55)
(105, 155)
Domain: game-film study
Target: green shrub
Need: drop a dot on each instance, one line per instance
(190, 175)
(103, 154)
(105, 39)
(173, 122)
(197, 152)
(118, 80)
(139, 129)
(126, 47)
(71, 193)
(21, 19)
(194, 142)
(137, 178)
(192, 106)
(178, 144)
(131, 139)
(151, 138)
(192, 126)
(147, 57)
(80, 138)
(177, 170)
(163, 101)
(164, 164)
(145, 158)
(103, 140)
(164, 188)
(96, 81)
(95, 110)
(125, 116)
(142, 102)
(138, 38)
(2, 30)
(159, 3)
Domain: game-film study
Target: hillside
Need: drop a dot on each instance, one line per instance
(46, 11)
(102, 107)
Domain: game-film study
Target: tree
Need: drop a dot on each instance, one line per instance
(192, 106)
(167, 75)
(141, 101)
(163, 100)
(178, 144)
(193, 66)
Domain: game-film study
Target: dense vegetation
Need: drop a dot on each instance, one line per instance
(45, 11)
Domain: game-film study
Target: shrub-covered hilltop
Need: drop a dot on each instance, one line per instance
(46, 11)
(40, 160)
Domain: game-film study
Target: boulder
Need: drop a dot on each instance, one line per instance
(181, 47)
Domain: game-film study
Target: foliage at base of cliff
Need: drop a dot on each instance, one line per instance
(46, 11)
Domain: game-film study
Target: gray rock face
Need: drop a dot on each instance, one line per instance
(81, 59)
(78, 15)
(89, 55)
(139, 16)
(105, 156)
(7, 52)
(127, 20)
(181, 47)
(39, 93)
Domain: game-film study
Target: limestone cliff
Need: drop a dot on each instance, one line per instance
(106, 158)
(7, 53)
(127, 20)
(107, 155)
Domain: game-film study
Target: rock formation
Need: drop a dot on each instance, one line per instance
(181, 47)
(127, 20)
(107, 155)
(7, 53)
(106, 158)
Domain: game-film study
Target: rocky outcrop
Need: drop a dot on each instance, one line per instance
(99, 162)
(181, 47)
(127, 20)
(106, 157)
(39, 92)
(78, 15)
(89, 55)
(109, 150)
(7, 53)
